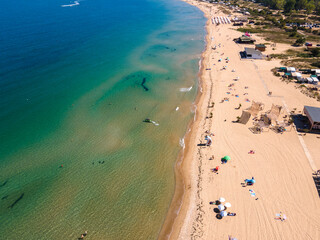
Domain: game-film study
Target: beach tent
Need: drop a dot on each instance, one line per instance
(272, 115)
(315, 80)
(287, 74)
(275, 109)
(291, 69)
(309, 80)
(255, 108)
(244, 119)
(315, 71)
(226, 158)
(297, 75)
(267, 119)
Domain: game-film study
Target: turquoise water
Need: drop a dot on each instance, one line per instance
(75, 84)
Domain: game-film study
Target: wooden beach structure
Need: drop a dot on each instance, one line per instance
(260, 47)
(251, 53)
(313, 114)
(245, 40)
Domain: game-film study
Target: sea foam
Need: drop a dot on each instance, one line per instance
(185, 89)
(181, 142)
(75, 3)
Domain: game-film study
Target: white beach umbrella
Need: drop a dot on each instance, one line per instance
(227, 204)
(222, 199)
(221, 207)
(223, 213)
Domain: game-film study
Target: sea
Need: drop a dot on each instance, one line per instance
(77, 81)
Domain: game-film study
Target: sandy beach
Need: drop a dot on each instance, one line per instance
(282, 164)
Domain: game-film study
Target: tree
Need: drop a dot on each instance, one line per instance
(318, 7)
(289, 6)
(279, 4)
(310, 7)
(315, 52)
(301, 4)
(300, 41)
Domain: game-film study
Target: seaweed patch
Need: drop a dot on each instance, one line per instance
(5, 197)
(16, 201)
(3, 184)
(144, 86)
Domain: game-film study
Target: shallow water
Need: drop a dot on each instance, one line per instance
(76, 83)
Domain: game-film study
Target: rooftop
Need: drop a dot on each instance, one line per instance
(252, 51)
(314, 113)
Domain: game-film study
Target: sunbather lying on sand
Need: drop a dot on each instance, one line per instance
(231, 214)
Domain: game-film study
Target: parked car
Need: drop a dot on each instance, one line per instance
(308, 44)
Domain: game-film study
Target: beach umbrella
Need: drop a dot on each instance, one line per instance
(222, 199)
(227, 158)
(223, 213)
(227, 204)
(221, 207)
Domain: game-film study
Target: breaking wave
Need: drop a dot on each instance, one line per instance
(185, 89)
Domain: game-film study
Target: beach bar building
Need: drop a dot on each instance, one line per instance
(245, 39)
(252, 53)
(261, 47)
(313, 114)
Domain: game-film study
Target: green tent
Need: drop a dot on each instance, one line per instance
(226, 158)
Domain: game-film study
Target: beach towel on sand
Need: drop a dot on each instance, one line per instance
(252, 193)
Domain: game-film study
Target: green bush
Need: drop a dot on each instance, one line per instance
(315, 52)
(300, 41)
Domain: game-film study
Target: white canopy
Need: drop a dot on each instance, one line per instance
(221, 207)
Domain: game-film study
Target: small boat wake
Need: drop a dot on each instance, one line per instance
(155, 123)
(185, 89)
(148, 120)
(75, 3)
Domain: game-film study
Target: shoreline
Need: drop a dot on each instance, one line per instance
(181, 198)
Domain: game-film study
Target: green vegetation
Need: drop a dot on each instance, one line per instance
(293, 5)
(315, 52)
(251, 30)
(300, 41)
